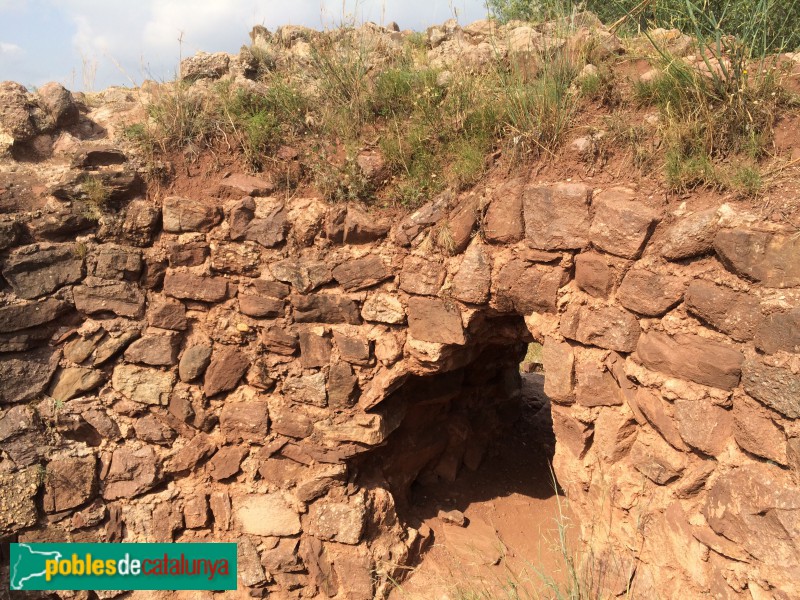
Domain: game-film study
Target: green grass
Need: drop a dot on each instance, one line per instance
(340, 181)
(775, 21)
(721, 110)
(261, 121)
(434, 132)
(533, 358)
(179, 118)
(746, 181)
(684, 172)
(400, 91)
(437, 130)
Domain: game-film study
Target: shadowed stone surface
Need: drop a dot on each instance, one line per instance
(30, 314)
(39, 269)
(26, 375)
(228, 366)
(776, 387)
(730, 312)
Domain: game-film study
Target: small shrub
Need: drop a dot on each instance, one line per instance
(538, 114)
(723, 106)
(600, 87)
(443, 238)
(416, 40)
(343, 182)
(179, 117)
(136, 132)
(340, 65)
(590, 86)
(81, 250)
(261, 121)
(411, 155)
(41, 474)
(262, 59)
(746, 181)
(468, 161)
(402, 90)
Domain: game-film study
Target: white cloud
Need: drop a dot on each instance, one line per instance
(9, 5)
(9, 49)
(200, 24)
(141, 38)
(138, 40)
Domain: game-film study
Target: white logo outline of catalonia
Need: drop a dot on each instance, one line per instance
(19, 584)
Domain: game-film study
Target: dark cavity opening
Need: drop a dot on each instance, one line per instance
(477, 439)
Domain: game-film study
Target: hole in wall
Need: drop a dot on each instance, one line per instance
(476, 443)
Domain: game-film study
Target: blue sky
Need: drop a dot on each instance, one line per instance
(91, 44)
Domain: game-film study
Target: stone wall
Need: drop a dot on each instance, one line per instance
(234, 366)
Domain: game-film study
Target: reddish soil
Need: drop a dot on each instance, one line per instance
(513, 515)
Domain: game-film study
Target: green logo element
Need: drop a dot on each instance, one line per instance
(123, 567)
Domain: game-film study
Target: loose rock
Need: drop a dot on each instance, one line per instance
(194, 362)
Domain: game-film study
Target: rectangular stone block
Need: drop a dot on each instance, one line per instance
(188, 286)
(557, 216)
(621, 225)
(691, 357)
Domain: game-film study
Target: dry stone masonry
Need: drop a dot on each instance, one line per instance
(234, 366)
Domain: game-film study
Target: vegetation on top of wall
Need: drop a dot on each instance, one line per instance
(775, 20)
(440, 126)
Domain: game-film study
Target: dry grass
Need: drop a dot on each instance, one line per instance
(444, 128)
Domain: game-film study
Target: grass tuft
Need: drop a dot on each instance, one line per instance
(441, 128)
(96, 194)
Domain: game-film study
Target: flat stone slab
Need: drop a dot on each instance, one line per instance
(771, 258)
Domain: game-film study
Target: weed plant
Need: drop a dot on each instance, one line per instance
(437, 127)
(434, 127)
(721, 109)
(95, 193)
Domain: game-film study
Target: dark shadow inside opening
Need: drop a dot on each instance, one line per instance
(472, 434)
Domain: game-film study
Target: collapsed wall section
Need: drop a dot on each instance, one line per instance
(235, 366)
